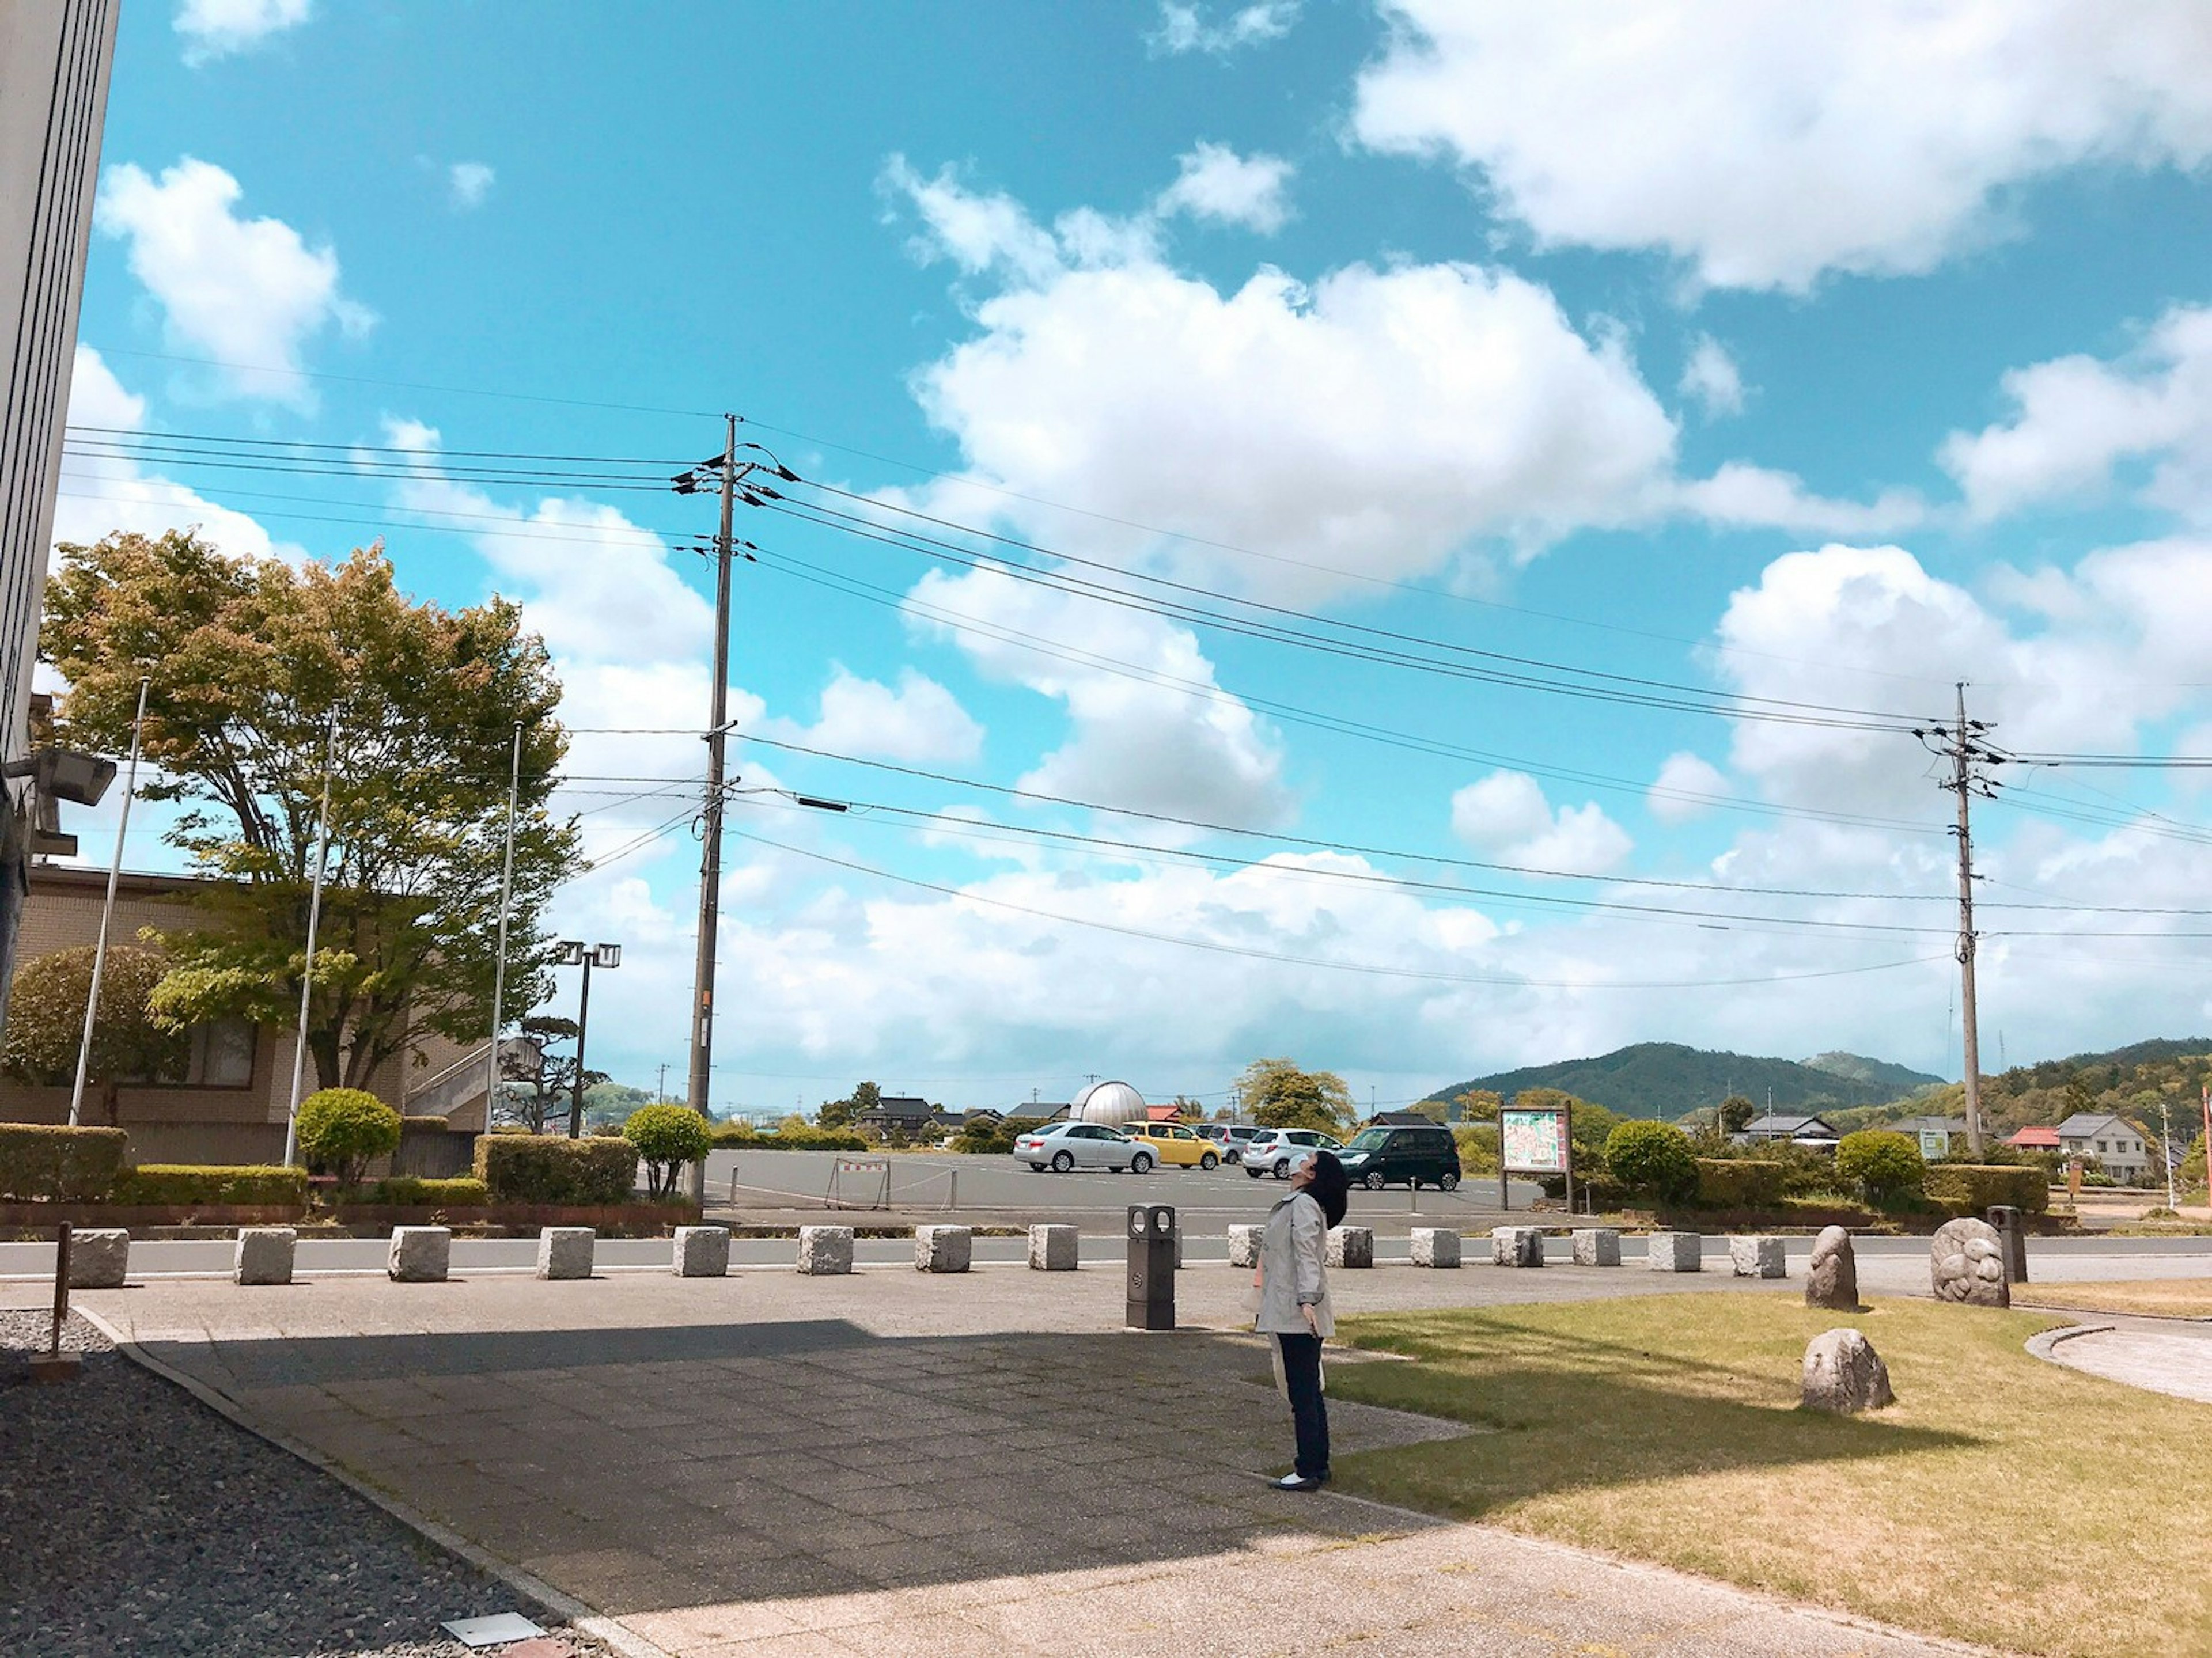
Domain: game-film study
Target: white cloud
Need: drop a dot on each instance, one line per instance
(1217, 183)
(217, 28)
(1711, 381)
(1687, 787)
(1766, 145)
(1741, 497)
(243, 291)
(977, 232)
(2075, 419)
(1185, 27)
(1505, 814)
(919, 720)
(469, 182)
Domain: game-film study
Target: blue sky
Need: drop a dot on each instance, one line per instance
(1826, 362)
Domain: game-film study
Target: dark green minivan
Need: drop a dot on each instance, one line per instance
(1402, 1157)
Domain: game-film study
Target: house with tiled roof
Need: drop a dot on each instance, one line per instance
(2122, 1148)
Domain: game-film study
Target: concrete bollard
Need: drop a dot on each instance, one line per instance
(1245, 1245)
(565, 1252)
(1516, 1246)
(825, 1251)
(1352, 1247)
(701, 1252)
(264, 1254)
(943, 1249)
(1757, 1258)
(1597, 1246)
(100, 1258)
(1435, 1246)
(420, 1255)
(1676, 1252)
(1053, 1249)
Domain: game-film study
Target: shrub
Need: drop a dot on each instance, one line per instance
(463, 1193)
(1654, 1158)
(1741, 1182)
(1888, 1164)
(41, 1163)
(341, 1129)
(193, 1183)
(744, 1136)
(1970, 1187)
(666, 1138)
(547, 1169)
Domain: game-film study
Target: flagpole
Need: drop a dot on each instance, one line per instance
(498, 972)
(107, 911)
(307, 967)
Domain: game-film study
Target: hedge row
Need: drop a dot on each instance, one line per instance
(547, 1169)
(187, 1183)
(1972, 1187)
(743, 1136)
(40, 1162)
(1741, 1182)
(464, 1192)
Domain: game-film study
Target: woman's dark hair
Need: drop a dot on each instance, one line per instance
(1331, 1187)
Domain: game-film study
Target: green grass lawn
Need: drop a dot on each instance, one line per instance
(2177, 1298)
(2003, 1499)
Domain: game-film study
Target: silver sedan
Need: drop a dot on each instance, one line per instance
(1061, 1146)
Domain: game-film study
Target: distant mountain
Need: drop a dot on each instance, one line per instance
(1665, 1079)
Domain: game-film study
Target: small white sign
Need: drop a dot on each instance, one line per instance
(494, 1631)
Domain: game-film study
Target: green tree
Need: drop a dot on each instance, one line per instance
(46, 1023)
(1479, 1105)
(666, 1138)
(1276, 1094)
(839, 1114)
(247, 658)
(342, 1129)
(540, 1094)
(1884, 1162)
(1654, 1159)
(1735, 1113)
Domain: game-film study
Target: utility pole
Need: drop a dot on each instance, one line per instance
(710, 859)
(1965, 746)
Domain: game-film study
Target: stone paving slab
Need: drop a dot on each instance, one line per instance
(896, 1462)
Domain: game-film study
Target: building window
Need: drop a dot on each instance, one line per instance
(222, 1054)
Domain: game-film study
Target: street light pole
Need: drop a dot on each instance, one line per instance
(315, 920)
(107, 911)
(572, 952)
(499, 971)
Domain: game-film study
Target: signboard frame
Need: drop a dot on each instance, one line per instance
(1934, 1144)
(1561, 1137)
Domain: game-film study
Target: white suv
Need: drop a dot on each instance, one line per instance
(1272, 1152)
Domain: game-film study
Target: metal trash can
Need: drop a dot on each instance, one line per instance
(2013, 1238)
(1152, 1266)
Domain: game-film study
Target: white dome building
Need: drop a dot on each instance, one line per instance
(1108, 1102)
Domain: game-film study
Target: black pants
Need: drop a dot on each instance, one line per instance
(1308, 1410)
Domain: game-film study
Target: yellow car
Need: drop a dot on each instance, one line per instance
(1176, 1145)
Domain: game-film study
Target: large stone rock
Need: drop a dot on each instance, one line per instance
(264, 1254)
(1053, 1249)
(420, 1255)
(1516, 1246)
(1832, 1281)
(1966, 1263)
(825, 1251)
(1676, 1252)
(565, 1251)
(1757, 1258)
(1435, 1246)
(701, 1252)
(1245, 1245)
(1597, 1246)
(1844, 1373)
(100, 1258)
(943, 1249)
(1352, 1247)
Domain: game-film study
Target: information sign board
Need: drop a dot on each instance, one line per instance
(1533, 1142)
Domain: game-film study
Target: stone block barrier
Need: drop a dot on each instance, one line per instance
(1352, 1247)
(1757, 1258)
(1597, 1246)
(1053, 1249)
(825, 1251)
(100, 1258)
(1516, 1246)
(1435, 1246)
(420, 1255)
(1245, 1245)
(264, 1254)
(1676, 1252)
(565, 1251)
(943, 1249)
(701, 1252)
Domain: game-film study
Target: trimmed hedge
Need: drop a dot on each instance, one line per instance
(739, 1136)
(463, 1192)
(1970, 1188)
(548, 1168)
(1741, 1182)
(1653, 1159)
(180, 1183)
(43, 1162)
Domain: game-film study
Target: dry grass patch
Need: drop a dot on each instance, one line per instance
(2000, 1501)
(2170, 1297)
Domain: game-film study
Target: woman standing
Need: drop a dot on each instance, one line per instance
(1294, 1304)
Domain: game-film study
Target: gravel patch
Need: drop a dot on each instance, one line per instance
(138, 1522)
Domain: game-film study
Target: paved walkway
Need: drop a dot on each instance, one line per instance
(2162, 1354)
(892, 1463)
